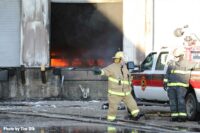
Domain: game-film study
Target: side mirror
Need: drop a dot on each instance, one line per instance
(130, 65)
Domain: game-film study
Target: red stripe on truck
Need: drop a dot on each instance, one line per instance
(155, 83)
(195, 84)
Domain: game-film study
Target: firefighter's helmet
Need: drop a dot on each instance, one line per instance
(178, 32)
(119, 54)
(190, 37)
(178, 52)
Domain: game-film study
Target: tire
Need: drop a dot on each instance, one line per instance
(191, 106)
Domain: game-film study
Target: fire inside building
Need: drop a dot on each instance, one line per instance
(50, 48)
(82, 36)
(57, 44)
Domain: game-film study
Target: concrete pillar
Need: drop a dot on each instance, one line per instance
(137, 28)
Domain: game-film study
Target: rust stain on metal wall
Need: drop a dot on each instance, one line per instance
(35, 33)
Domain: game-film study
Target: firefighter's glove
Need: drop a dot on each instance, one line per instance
(97, 71)
(165, 86)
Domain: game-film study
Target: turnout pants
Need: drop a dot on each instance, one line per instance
(176, 96)
(114, 100)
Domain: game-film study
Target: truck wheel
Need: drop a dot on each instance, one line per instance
(191, 106)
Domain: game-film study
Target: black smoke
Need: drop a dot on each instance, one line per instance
(79, 30)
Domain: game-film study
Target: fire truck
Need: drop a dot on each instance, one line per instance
(148, 80)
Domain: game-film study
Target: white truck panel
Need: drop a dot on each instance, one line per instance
(197, 91)
(151, 93)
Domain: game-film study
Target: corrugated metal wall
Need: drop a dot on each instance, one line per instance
(9, 33)
(35, 33)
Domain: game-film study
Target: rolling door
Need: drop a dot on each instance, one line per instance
(9, 33)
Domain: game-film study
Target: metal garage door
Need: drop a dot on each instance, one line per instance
(9, 33)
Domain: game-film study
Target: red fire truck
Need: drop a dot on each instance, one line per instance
(148, 80)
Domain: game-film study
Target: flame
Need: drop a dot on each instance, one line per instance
(100, 62)
(76, 62)
(91, 62)
(59, 63)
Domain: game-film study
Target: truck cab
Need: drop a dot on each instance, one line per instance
(148, 81)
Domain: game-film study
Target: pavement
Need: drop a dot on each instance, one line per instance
(61, 113)
(78, 108)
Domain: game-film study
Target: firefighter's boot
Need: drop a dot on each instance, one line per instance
(139, 115)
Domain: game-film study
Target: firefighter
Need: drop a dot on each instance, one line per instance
(111, 129)
(119, 87)
(176, 82)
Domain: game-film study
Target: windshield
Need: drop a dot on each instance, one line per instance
(161, 61)
(148, 62)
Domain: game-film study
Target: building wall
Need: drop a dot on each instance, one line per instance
(145, 28)
(26, 83)
(30, 88)
(70, 85)
(10, 33)
(137, 29)
(35, 33)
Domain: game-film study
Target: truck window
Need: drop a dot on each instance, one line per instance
(148, 62)
(195, 56)
(160, 64)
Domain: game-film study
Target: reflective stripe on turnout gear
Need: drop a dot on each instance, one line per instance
(135, 112)
(180, 71)
(102, 72)
(174, 114)
(119, 93)
(111, 129)
(165, 80)
(111, 118)
(178, 84)
(182, 114)
(117, 81)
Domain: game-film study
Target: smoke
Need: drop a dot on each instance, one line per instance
(80, 31)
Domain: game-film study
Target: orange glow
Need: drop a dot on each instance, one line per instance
(53, 54)
(76, 62)
(59, 63)
(100, 62)
(91, 62)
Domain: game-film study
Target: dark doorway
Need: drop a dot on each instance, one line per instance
(82, 34)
